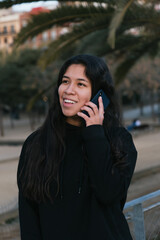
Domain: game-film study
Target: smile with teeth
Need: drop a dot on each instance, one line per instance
(69, 101)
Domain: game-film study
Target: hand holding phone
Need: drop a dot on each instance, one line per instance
(105, 100)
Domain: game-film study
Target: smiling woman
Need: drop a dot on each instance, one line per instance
(75, 170)
(74, 91)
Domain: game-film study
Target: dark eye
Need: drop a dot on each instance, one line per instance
(64, 81)
(81, 84)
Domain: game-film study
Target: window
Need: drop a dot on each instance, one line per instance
(34, 40)
(5, 40)
(53, 35)
(44, 36)
(24, 23)
(64, 30)
(4, 29)
(12, 29)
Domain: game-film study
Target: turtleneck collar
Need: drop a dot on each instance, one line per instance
(73, 127)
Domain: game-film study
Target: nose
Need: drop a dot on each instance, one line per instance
(70, 89)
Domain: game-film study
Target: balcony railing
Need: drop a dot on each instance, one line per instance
(7, 33)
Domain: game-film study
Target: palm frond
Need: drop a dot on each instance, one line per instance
(122, 7)
(135, 53)
(133, 18)
(98, 39)
(147, 23)
(57, 47)
(59, 16)
(141, 13)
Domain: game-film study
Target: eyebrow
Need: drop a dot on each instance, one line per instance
(79, 79)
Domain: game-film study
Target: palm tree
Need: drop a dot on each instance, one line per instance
(127, 29)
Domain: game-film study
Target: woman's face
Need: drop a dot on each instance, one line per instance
(74, 91)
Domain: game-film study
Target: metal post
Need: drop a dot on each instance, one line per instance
(138, 222)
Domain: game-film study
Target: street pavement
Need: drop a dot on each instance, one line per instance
(9, 155)
(147, 144)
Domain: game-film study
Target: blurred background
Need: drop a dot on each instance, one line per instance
(35, 39)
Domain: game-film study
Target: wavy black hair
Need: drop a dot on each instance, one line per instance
(40, 166)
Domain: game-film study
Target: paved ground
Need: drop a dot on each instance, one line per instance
(9, 156)
(147, 145)
(8, 186)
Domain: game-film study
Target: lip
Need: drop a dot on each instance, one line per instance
(67, 104)
(70, 100)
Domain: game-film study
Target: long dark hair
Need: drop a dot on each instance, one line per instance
(44, 153)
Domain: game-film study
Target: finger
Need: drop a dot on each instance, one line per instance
(83, 115)
(93, 106)
(89, 110)
(101, 106)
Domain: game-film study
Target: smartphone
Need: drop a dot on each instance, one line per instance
(105, 100)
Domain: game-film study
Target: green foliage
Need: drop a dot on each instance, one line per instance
(126, 29)
(121, 9)
(54, 50)
(21, 79)
(10, 82)
(28, 57)
(98, 39)
(43, 21)
(135, 52)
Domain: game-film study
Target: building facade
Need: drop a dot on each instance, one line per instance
(9, 27)
(11, 24)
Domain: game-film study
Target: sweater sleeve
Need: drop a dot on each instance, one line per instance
(109, 183)
(28, 210)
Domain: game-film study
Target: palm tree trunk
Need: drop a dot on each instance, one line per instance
(158, 113)
(152, 105)
(31, 120)
(1, 121)
(141, 103)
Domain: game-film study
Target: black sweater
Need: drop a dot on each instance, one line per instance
(92, 191)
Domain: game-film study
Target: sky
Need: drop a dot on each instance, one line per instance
(28, 6)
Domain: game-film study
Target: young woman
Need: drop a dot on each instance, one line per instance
(75, 170)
